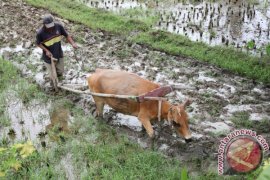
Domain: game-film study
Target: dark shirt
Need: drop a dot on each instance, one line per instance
(52, 41)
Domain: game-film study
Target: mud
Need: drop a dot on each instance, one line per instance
(216, 94)
(232, 23)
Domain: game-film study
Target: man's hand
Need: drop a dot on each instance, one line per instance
(74, 46)
(49, 54)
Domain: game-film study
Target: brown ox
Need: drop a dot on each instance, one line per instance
(124, 83)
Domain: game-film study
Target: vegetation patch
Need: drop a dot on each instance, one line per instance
(242, 120)
(115, 157)
(8, 74)
(147, 16)
(12, 158)
(93, 18)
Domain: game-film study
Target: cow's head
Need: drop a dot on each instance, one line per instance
(179, 118)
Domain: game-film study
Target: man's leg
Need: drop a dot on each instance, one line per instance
(50, 72)
(60, 67)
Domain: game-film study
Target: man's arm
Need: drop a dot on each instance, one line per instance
(70, 40)
(48, 53)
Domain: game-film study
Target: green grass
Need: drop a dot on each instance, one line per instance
(8, 75)
(227, 58)
(123, 53)
(242, 120)
(12, 83)
(96, 19)
(147, 16)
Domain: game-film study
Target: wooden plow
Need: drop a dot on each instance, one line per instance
(54, 74)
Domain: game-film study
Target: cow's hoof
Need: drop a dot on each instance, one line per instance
(153, 143)
(188, 140)
(155, 136)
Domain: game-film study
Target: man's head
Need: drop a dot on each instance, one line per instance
(48, 21)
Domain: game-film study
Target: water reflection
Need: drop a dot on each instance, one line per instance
(34, 121)
(27, 121)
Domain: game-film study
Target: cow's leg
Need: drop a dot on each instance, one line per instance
(99, 105)
(147, 125)
(149, 129)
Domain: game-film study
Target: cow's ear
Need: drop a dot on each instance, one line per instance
(187, 103)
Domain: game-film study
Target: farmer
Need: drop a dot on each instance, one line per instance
(49, 40)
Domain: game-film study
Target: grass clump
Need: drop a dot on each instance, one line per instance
(242, 120)
(147, 16)
(12, 84)
(8, 74)
(26, 91)
(123, 53)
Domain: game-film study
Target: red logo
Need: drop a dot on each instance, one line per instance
(244, 154)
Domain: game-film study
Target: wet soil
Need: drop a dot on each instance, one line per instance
(217, 95)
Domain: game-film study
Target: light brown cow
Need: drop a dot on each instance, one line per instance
(124, 83)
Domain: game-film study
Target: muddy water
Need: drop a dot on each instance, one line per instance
(34, 120)
(230, 23)
(27, 121)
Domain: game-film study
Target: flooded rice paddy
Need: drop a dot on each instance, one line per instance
(244, 25)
